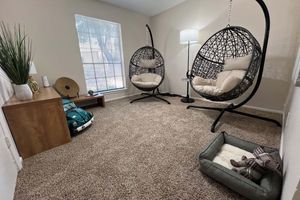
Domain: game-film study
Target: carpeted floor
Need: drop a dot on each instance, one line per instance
(146, 150)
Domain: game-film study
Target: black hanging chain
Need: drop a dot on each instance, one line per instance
(229, 12)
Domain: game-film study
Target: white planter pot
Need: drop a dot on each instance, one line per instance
(22, 92)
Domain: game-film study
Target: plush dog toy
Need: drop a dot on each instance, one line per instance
(255, 168)
(249, 168)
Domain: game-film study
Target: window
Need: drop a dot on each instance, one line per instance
(101, 53)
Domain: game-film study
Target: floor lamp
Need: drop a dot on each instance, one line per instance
(188, 36)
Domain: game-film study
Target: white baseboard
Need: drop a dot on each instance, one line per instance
(199, 98)
(121, 97)
(264, 109)
(247, 106)
(20, 163)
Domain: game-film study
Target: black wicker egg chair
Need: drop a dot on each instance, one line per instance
(231, 42)
(147, 71)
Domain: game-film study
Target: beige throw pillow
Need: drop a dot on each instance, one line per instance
(227, 80)
(221, 77)
(230, 83)
(238, 63)
(147, 63)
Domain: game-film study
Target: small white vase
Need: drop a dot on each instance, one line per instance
(23, 92)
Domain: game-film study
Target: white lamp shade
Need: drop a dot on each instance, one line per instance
(32, 69)
(189, 36)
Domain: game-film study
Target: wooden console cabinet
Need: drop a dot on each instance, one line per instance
(38, 124)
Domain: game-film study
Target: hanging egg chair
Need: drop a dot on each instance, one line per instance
(228, 64)
(231, 42)
(147, 70)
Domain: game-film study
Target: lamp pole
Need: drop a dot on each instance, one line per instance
(187, 98)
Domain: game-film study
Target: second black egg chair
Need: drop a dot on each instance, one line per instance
(147, 71)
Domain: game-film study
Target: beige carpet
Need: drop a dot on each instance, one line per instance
(146, 150)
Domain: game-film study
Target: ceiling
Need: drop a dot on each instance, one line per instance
(146, 7)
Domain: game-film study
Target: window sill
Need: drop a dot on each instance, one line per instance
(113, 91)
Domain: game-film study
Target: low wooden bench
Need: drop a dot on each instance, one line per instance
(89, 101)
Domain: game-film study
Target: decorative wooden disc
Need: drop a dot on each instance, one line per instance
(67, 87)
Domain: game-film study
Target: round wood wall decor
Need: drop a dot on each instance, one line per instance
(67, 87)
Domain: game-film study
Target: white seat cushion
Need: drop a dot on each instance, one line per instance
(238, 63)
(197, 80)
(229, 152)
(147, 63)
(208, 89)
(146, 80)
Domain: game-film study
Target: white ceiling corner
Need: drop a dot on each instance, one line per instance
(146, 7)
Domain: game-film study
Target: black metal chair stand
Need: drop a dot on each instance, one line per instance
(150, 95)
(231, 109)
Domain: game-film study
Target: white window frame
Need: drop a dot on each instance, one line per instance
(94, 63)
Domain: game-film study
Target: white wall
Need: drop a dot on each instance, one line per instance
(297, 193)
(210, 16)
(10, 161)
(290, 138)
(51, 26)
(290, 148)
(8, 171)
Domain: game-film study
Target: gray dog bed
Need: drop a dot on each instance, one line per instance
(269, 187)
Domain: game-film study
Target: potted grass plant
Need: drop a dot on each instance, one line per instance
(15, 58)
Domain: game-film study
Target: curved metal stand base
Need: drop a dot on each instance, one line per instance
(150, 96)
(231, 110)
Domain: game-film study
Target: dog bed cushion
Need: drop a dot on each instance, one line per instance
(229, 152)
